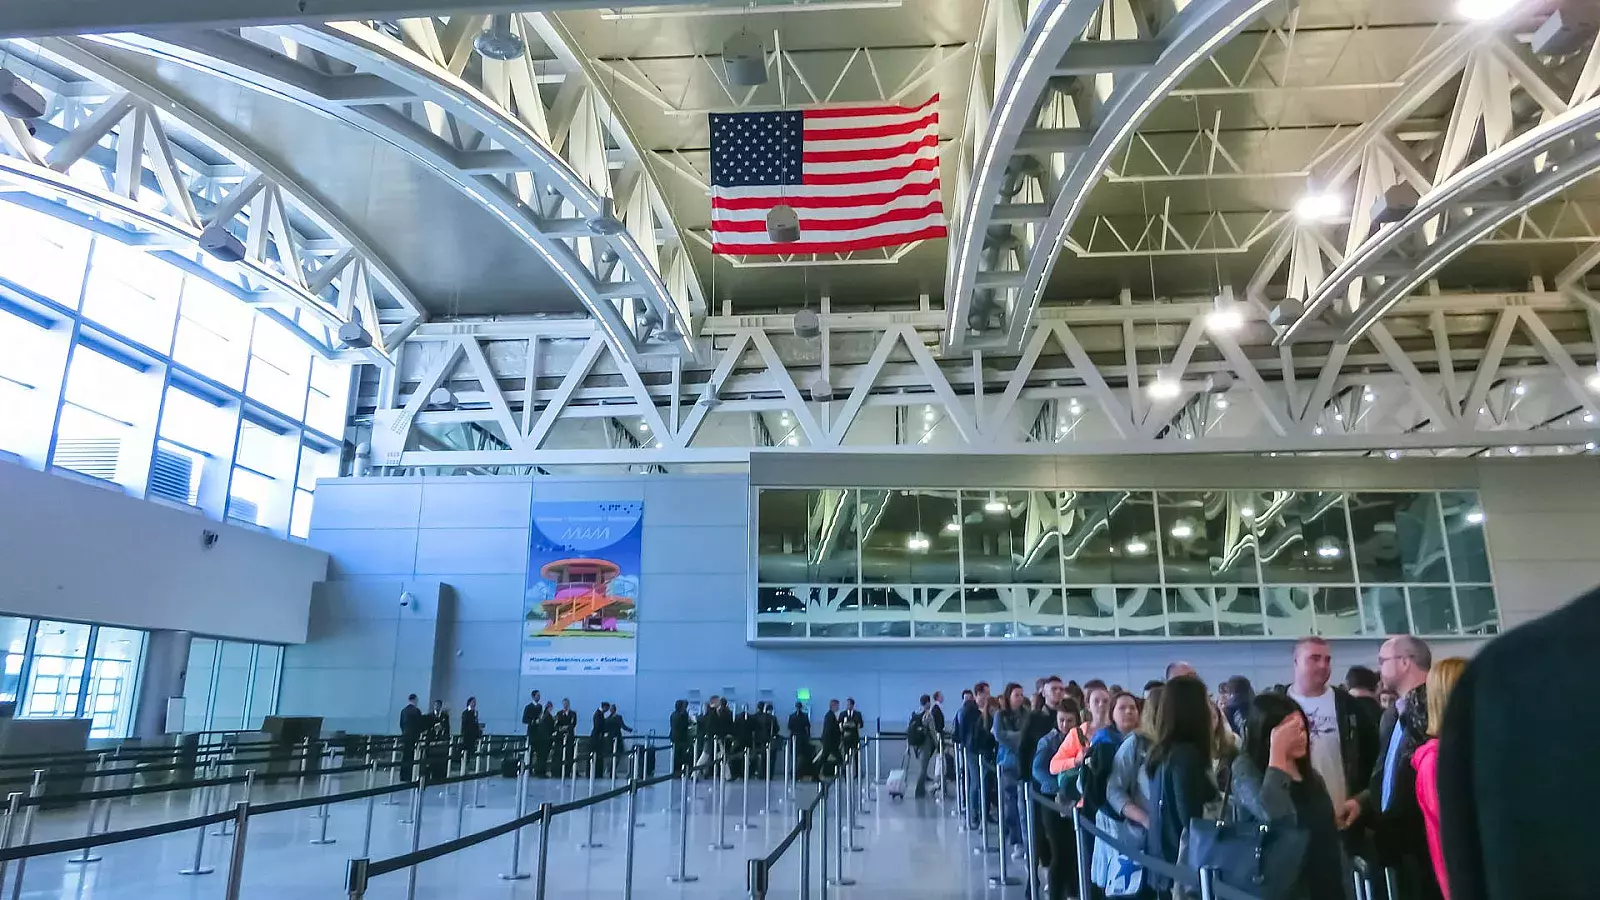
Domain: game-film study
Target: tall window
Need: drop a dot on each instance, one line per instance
(230, 685)
(68, 670)
(117, 365)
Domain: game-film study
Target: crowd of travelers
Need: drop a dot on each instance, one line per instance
(1317, 774)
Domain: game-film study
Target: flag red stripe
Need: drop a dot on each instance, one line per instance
(822, 202)
(832, 156)
(870, 131)
(921, 165)
(887, 240)
(841, 112)
(809, 226)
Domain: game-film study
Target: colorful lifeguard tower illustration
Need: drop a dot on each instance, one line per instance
(583, 597)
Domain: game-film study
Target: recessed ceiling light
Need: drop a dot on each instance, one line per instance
(1514, 449)
(1318, 207)
(1394, 454)
(1519, 389)
(1475, 517)
(1164, 388)
(644, 427)
(1593, 382)
(995, 505)
(1479, 10)
(1222, 403)
(1225, 317)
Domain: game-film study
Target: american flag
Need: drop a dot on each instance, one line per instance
(859, 178)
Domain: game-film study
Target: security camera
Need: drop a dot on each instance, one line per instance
(208, 539)
(406, 598)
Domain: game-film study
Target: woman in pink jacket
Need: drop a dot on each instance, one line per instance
(1442, 680)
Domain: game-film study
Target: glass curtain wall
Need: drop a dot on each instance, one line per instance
(230, 685)
(125, 367)
(873, 563)
(68, 670)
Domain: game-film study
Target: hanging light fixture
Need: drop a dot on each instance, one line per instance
(19, 99)
(499, 41)
(605, 223)
(783, 224)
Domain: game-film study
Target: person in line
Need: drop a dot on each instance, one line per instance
(1224, 747)
(615, 726)
(530, 714)
(1442, 680)
(1388, 805)
(832, 742)
(680, 731)
(763, 736)
(597, 740)
(436, 744)
(412, 725)
(1151, 685)
(471, 728)
(1007, 730)
(800, 736)
(706, 728)
(920, 745)
(1104, 752)
(545, 734)
(1039, 722)
(974, 735)
(1128, 788)
(1241, 693)
(1343, 746)
(938, 712)
(566, 738)
(1179, 766)
(539, 731)
(851, 727)
(1179, 668)
(1054, 840)
(1097, 706)
(1276, 783)
(1362, 684)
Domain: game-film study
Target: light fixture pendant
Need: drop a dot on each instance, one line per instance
(783, 224)
(498, 41)
(605, 223)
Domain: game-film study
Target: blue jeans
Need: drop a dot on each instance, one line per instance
(1011, 800)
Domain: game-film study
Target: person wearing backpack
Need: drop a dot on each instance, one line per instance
(920, 744)
(1058, 849)
(1179, 766)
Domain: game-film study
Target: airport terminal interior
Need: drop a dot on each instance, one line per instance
(595, 448)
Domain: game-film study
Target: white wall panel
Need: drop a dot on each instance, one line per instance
(472, 551)
(369, 503)
(682, 597)
(708, 500)
(387, 551)
(476, 503)
(691, 550)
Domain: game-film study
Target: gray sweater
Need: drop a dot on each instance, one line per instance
(1259, 797)
(1129, 782)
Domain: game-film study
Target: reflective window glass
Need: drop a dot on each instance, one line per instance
(213, 333)
(886, 612)
(1433, 610)
(808, 536)
(1091, 611)
(30, 369)
(1141, 612)
(13, 650)
(329, 400)
(1398, 537)
(280, 368)
(1478, 613)
(43, 254)
(1384, 608)
(1303, 537)
(1463, 523)
(1109, 537)
(780, 612)
(1205, 539)
(1337, 610)
(133, 293)
(1040, 612)
(988, 612)
(906, 538)
(1191, 612)
(1288, 610)
(936, 613)
(1239, 612)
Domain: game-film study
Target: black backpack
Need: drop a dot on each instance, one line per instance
(1092, 778)
(916, 731)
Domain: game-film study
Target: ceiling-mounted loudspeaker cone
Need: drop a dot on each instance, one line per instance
(19, 99)
(821, 390)
(441, 396)
(783, 224)
(353, 336)
(498, 41)
(1286, 313)
(1566, 31)
(606, 223)
(1397, 202)
(709, 398)
(220, 243)
(744, 60)
(807, 325)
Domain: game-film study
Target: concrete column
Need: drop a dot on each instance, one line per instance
(166, 657)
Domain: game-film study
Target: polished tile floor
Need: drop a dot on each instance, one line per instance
(911, 848)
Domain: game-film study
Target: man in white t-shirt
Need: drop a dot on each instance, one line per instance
(1339, 746)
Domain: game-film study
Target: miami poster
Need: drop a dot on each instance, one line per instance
(580, 606)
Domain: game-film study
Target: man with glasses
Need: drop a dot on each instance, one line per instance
(1388, 806)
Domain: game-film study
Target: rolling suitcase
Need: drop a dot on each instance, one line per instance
(896, 785)
(508, 766)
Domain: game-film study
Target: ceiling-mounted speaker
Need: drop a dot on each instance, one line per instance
(353, 336)
(441, 396)
(19, 99)
(605, 223)
(807, 325)
(1219, 382)
(1286, 313)
(1397, 202)
(498, 41)
(220, 243)
(708, 397)
(821, 390)
(783, 224)
(744, 60)
(1566, 31)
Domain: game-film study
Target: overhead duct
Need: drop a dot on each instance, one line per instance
(220, 243)
(19, 99)
(498, 41)
(744, 60)
(783, 224)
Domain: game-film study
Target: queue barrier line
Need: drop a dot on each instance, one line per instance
(68, 845)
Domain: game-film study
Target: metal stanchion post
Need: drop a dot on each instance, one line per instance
(756, 876)
(416, 839)
(545, 815)
(1032, 856)
(1085, 854)
(589, 843)
(516, 873)
(1391, 882)
(633, 822)
(1003, 879)
(854, 804)
(394, 777)
(805, 854)
(477, 786)
(719, 802)
(744, 823)
(241, 824)
(961, 807)
(983, 810)
(842, 823)
(822, 829)
(683, 876)
(366, 830)
(461, 804)
(198, 866)
(35, 791)
(766, 782)
(14, 802)
(790, 778)
(1208, 883)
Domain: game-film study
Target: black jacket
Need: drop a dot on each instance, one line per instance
(800, 726)
(678, 725)
(530, 712)
(412, 722)
(1398, 831)
(1040, 723)
(830, 731)
(1179, 790)
(566, 724)
(598, 726)
(710, 725)
(615, 726)
(938, 719)
(471, 728)
(1516, 799)
(544, 727)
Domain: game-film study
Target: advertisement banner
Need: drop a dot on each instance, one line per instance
(580, 606)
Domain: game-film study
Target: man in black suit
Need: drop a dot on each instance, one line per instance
(566, 737)
(530, 715)
(412, 724)
(615, 726)
(1516, 808)
(832, 741)
(597, 740)
(680, 730)
(1388, 806)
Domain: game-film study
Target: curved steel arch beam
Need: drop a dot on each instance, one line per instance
(1523, 173)
(524, 181)
(1185, 43)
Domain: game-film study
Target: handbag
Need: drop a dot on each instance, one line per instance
(1257, 858)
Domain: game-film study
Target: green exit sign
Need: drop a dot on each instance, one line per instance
(803, 695)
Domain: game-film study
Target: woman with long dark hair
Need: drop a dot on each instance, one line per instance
(1179, 766)
(1008, 725)
(1274, 784)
